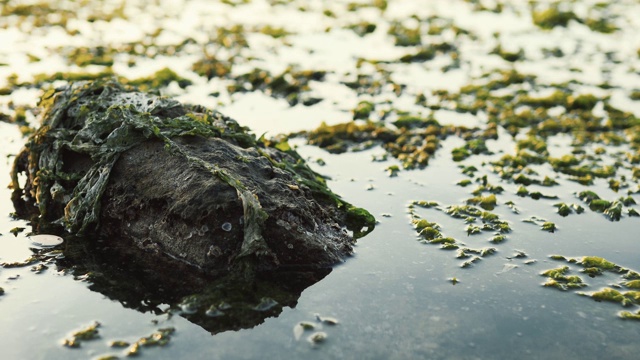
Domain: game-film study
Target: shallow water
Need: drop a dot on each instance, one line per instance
(393, 298)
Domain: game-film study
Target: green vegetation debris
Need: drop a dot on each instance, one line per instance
(627, 298)
(485, 202)
(597, 262)
(629, 315)
(558, 279)
(549, 226)
(86, 334)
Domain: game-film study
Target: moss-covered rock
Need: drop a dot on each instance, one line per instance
(176, 182)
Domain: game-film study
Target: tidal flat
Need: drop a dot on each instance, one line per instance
(496, 143)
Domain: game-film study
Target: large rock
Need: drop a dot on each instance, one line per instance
(172, 182)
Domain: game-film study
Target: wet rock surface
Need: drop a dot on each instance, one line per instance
(176, 183)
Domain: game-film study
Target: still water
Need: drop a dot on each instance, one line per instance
(396, 297)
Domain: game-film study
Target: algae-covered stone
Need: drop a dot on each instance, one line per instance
(177, 182)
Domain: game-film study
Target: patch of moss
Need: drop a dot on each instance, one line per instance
(84, 56)
(211, 67)
(404, 36)
(629, 315)
(472, 230)
(29, 261)
(633, 284)
(549, 226)
(522, 191)
(487, 188)
(415, 122)
(601, 25)
(486, 202)
(552, 16)
(290, 85)
(392, 170)
(563, 209)
(470, 262)
(363, 110)
(625, 299)
(558, 279)
(614, 211)
(363, 28)
(340, 138)
(426, 204)
(41, 79)
(509, 56)
(536, 195)
(592, 271)
(86, 334)
(422, 55)
(598, 262)
(159, 338)
(360, 221)
(160, 78)
(462, 211)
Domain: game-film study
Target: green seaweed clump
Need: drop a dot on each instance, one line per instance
(28, 261)
(363, 110)
(491, 221)
(288, 85)
(89, 333)
(360, 220)
(428, 230)
(425, 204)
(598, 262)
(564, 209)
(486, 202)
(160, 78)
(462, 211)
(625, 299)
(210, 67)
(633, 284)
(509, 56)
(559, 280)
(342, 137)
(552, 17)
(592, 271)
(404, 36)
(549, 226)
(612, 210)
(84, 56)
(393, 170)
(363, 28)
(627, 315)
(158, 338)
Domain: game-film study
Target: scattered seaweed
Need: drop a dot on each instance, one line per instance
(89, 333)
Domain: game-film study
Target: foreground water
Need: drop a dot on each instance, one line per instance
(397, 297)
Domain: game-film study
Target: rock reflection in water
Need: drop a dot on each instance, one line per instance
(217, 304)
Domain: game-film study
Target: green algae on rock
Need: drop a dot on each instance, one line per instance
(147, 172)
